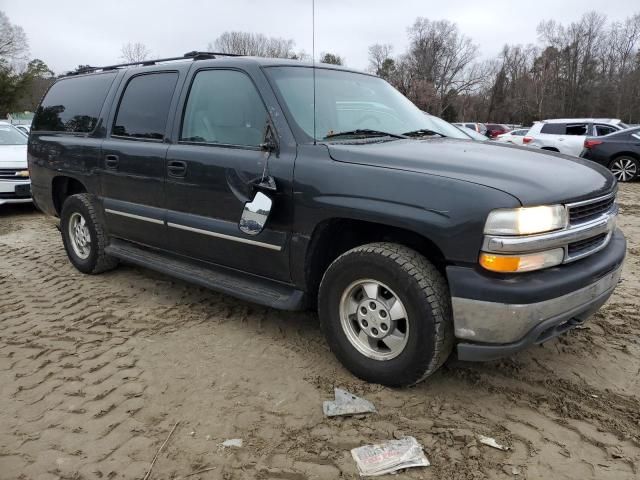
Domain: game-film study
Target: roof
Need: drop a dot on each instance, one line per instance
(210, 58)
(582, 120)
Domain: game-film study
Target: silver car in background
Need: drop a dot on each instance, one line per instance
(15, 185)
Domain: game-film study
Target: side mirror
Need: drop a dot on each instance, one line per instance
(255, 214)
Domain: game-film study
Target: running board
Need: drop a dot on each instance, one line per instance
(243, 286)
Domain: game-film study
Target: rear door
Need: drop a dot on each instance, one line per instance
(572, 142)
(213, 166)
(133, 157)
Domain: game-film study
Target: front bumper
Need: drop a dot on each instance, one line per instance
(492, 320)
(15, 191)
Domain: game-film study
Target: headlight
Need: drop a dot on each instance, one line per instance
(522, 262)
(527, 220)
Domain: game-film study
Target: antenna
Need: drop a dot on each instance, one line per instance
(313, 60)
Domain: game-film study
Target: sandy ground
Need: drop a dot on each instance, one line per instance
(95, 371)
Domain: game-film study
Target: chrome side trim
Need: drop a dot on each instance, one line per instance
(494, 322)
(546, 241)
(136, 217)
(226, 237)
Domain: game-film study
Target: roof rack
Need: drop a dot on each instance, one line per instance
(194, 55)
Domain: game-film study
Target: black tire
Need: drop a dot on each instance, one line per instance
(97, 260)
(425, 294)
(625, 168)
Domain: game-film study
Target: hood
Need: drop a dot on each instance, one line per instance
(535, 177)
(13, 156)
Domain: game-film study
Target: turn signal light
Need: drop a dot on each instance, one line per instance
(521, 263)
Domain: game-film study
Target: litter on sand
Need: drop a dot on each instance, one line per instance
(346, 403)
(388, 457)
(491, 442)
(232, 442)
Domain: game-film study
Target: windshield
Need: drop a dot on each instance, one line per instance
(352, 102)
(10, 135)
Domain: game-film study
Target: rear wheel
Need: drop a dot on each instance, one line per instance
(84, 236)
(385, 310)
(624, 168)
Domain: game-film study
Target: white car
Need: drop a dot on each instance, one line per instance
(515, 137)
(567, 135)
(15, 186)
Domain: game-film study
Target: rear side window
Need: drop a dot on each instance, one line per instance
(224, 107)
(144, 106)
(577, 129)
(605, 130)
(73, 104)
(554, 128)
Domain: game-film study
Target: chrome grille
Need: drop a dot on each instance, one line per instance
(8, 174)
(582, 212)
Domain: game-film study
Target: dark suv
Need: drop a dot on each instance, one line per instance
(410, 240)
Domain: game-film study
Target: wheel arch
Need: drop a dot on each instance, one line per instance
(617, 155)
(332, 237)
(62, 187)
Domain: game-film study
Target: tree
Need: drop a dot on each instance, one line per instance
(331, 58)
(380, 58)
(13, 41)
(253, 44)
(134, 52)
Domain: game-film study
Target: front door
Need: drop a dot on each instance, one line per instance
(133, 156)
(213, 170)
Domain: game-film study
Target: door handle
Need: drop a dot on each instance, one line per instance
(176, 168)
(111, 161)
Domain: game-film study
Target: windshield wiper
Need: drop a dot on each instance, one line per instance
(363, 132)
(422, 132)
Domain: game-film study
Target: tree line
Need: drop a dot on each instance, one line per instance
(588, 68)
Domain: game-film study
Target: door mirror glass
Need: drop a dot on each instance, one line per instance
(255, 214)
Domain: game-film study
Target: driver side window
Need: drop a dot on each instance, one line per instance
(224, 107)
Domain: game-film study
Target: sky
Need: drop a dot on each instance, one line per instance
(66, 33)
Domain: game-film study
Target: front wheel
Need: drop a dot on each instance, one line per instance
(386, 313)
(624, 168)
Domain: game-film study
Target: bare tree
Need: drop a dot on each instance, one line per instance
(13, 41)
(379, 54)
(254, 44)
(134, 52)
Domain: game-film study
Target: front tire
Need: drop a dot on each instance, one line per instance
(84, 235)
(386, 313)
(624, 168)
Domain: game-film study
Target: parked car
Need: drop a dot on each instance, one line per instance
(478, 137)
(495, 129)
(478, 127)
(14, 174)
(515, 137)
(567, 135)
(409, 242)
(619, 152)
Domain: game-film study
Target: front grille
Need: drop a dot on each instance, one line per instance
(8, 173)
(582, 213)
(11, 195)
(583, 246)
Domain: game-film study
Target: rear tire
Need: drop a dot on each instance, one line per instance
(393, 346)
(84, 235)
(625, 168)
